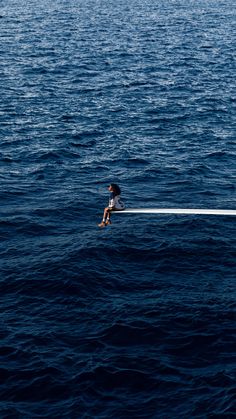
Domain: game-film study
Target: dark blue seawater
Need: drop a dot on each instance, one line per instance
(136, 320)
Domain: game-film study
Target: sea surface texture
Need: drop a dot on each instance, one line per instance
(136, 320)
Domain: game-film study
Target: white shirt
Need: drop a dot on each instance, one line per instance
(115, 202)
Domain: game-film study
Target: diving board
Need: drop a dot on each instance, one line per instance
(200, 211)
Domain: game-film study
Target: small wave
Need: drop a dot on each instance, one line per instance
(50, 156)
(6, 159)
(134, 162)
(87, 134)
(31, 228)
(219, 155)
(88, 144)
(67, 118)
(142, 334)
(110, 379)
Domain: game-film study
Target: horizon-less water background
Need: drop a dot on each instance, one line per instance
(136, 320)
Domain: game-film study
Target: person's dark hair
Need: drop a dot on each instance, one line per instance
(116, 189)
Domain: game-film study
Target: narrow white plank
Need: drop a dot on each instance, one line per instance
(200, 211)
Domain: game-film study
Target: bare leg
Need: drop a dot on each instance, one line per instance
(105, 214)
(106, 217)
(108, 220)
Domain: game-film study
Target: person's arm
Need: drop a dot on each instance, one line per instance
(112, 200)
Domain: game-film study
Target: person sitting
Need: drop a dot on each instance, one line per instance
(115, 204)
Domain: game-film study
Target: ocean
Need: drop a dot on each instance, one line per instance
(135, 320)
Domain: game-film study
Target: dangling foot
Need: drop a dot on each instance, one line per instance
(102, 224)
(107, 222)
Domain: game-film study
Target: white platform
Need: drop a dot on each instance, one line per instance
(177, 211)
